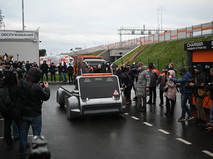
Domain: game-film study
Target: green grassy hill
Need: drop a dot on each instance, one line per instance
(96, 53)
(162, 53)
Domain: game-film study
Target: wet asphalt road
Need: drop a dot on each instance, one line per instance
(133, 135)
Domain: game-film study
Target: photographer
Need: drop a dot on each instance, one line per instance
(185, 93)
(31, 97)
(199, 81)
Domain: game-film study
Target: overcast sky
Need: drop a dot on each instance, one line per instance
(66, 24)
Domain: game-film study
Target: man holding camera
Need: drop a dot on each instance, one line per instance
(199, 81)
(31, 97)
(185, 93)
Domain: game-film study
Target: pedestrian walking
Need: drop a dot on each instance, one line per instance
(185, 91)
(142, 87)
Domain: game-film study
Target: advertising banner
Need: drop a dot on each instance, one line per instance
(17, 35)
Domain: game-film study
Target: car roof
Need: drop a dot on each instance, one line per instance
(90, 60)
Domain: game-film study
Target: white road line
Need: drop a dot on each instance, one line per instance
(148, 124)
(133, 117)
(184, 141)
(126, 114)
(208, 153)
(27, 135)
(163, 131)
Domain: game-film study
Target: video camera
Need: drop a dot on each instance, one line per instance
(39, 148)
(41, 84)
(187, 84)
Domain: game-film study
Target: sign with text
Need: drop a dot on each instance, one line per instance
(17, 35)
(205, 45)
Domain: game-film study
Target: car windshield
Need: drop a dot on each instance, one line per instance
(98, 87)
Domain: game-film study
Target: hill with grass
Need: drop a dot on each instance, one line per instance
(162, 53)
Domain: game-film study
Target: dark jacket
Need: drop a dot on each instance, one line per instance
(153, 77)
(52, 68)
(32, 94)
(64, 68)
(60, 68)
(210, 87)
(162, 79)
(44, 68)
(70, 70)
(183, 80)
(201, 78)
(127, 80)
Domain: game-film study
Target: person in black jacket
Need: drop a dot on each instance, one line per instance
(31, 96)
(60, 72)
(65, 71)
(52, 71)
(127, 84)
(152, 89)
(199, 81)
(210, 87)
(44, 68)
(10, 83)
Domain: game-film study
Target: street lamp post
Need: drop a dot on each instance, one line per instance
(160, 10)
(22, 14)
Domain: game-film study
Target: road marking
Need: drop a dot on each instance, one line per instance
(208, 153)
(27, 135)
(133, 117)
(184, 141)
(148, 124)
(126, 114)
(163, 131)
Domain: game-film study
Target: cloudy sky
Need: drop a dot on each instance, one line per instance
(66, 24)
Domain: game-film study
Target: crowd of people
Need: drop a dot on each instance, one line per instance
(19, 85)
(63, 71)
(144, 81)
(21, 98)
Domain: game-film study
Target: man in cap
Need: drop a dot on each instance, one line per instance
(185, 93)
(199, 81)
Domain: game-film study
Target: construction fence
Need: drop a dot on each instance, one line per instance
(182, 33)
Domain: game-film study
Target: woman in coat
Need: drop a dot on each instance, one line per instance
(142, 86)
(170, 94)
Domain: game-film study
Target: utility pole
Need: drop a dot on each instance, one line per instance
(160, 9)
(22, 14)
(1, 19)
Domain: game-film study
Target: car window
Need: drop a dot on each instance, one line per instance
(98, 87)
